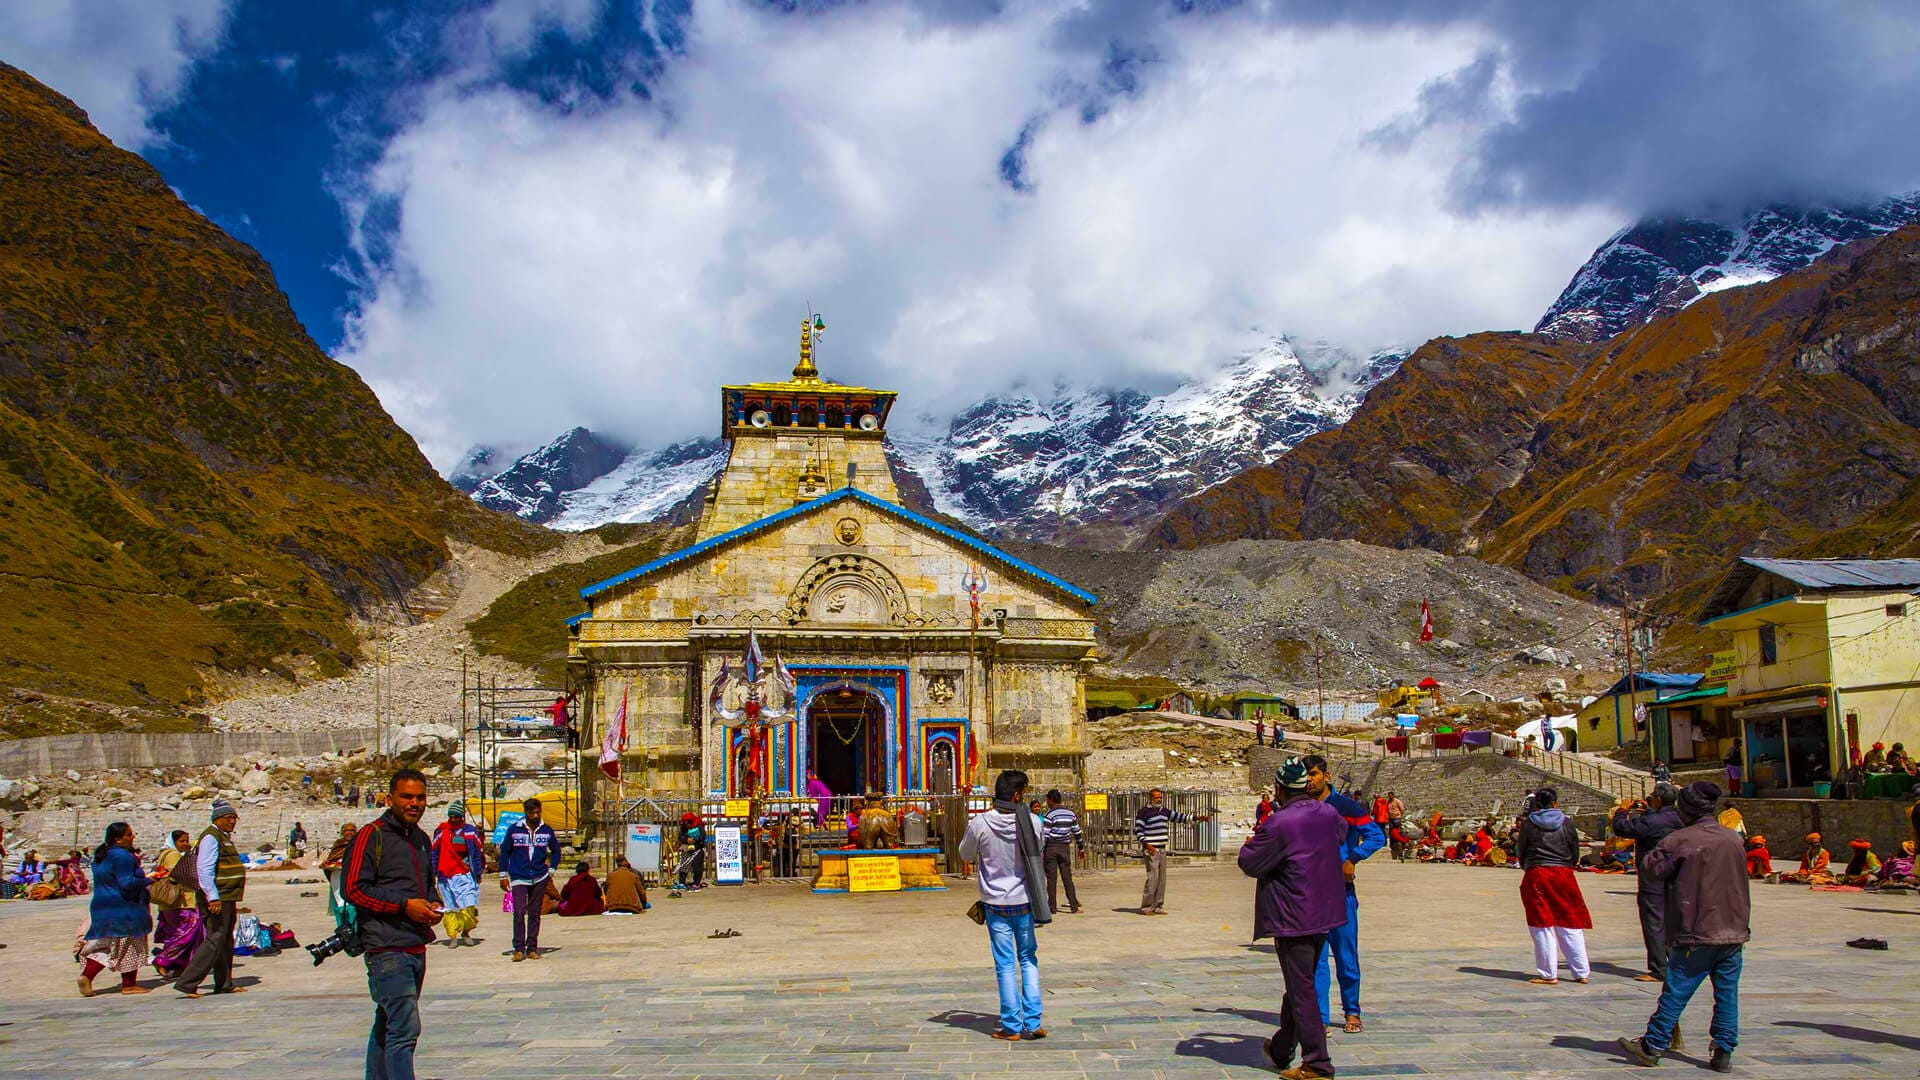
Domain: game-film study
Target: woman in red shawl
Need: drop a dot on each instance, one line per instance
(582, 895)
(1550, 891)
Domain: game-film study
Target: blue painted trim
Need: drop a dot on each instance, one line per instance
(1745, 610)
(857, 495)
(580, 618)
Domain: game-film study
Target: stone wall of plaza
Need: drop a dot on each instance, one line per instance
(1457, 785)
(1786, 822)
(848, 585)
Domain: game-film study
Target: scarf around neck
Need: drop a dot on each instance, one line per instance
(1027, 837)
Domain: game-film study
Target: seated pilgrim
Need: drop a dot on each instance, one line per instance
(1875, 759)
(875, 827)
(31, 871)
(1759, 859)
(1863, 868)
(1898, 760)
(1813, 865)
(582, 894)
(626, 894)
(1898, 869)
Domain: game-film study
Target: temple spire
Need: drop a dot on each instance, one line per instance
(811, 328)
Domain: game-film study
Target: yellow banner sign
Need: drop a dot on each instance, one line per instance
(1096, 802)
(738, 808)
(1721, 669)
(878, 873)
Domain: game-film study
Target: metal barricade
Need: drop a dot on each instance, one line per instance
(783, 836)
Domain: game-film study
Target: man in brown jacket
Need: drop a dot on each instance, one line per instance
(625, 891)
(1704, 867)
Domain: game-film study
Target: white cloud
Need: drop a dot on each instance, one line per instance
(611, 266)
(120, 61)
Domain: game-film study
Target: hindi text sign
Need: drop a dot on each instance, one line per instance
(877, 873)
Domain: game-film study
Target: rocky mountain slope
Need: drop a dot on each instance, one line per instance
(1090, 465)
(190, 490)
(1782, 417)
(1660, 265)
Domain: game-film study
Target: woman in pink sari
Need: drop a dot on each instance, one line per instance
(179, 930)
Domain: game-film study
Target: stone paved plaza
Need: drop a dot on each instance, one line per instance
(901, 985)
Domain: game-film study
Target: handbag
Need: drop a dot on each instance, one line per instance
(166, 892)
(978, 912)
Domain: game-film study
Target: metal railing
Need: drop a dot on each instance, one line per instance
(785, 836)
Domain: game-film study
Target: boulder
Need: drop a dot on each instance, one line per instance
(256, 782)
(15, 794)
(521, 755)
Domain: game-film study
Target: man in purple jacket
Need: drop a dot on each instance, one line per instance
(1302, 894)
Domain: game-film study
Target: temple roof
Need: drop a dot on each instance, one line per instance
(963, 538)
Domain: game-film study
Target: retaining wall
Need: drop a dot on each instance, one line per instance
(54, 754)
(1457, 785)
(1786, 823)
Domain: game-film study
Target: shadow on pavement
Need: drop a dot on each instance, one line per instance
(1496, 973)
(1605, 968)
(1857, 1034)
(966, 1021)
(1887, 911)
(1239, 1050)
(1270, 1019)
(1596, 1046)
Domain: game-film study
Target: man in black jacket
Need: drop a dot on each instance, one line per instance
(1708, 923)
(1646, 825)
(389, 877)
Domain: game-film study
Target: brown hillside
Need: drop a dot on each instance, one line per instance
(1779, 418)
(188, 485)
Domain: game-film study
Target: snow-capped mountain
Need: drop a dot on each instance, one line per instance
(1019, 464)
(1661, 265)
(1078, 459)
(534, 486)
(645, 486)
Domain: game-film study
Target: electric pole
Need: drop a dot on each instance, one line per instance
(1319, 699)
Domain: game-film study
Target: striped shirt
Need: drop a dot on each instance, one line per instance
(1061, 826)
(1153, 824)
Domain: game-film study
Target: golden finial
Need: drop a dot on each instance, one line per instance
(810, 327)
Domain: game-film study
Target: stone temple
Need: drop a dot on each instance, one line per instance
(883, 670)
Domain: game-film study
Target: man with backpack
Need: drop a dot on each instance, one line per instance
(388, 878)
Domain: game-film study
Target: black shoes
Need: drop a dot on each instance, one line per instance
(1722, 1060)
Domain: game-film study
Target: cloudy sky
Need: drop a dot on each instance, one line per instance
(519, 215)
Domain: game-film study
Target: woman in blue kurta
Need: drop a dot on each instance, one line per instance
(116, 936)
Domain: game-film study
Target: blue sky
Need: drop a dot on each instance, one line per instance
(512, 216)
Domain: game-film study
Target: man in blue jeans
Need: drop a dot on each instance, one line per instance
(1364, 837)
(1005, 844)
(388, 877)
(1704, 867)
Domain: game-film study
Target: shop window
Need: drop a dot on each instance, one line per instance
(1769, 646)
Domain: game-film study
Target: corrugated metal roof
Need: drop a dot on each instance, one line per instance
(1656, 680)
(1696, 695)
(856, 494)
(1844, 573)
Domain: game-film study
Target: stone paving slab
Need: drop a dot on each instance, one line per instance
(877, 988)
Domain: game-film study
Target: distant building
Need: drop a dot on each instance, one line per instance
(1619, 717)
(1826, 662)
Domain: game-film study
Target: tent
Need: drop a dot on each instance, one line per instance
(1565, 732)
(1429, 683)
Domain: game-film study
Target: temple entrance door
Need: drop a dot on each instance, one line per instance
(941, 775)
(846, 741)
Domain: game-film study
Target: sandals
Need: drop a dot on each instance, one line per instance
(1006, 1036)
(1354, 1026)
(1544, 982)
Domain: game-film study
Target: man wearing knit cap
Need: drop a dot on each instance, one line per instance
(220, 878)
(1707, 921)
(458, 864)
(1295, 856)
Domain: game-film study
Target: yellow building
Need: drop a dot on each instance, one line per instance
(1619, 717)
(1826, 662)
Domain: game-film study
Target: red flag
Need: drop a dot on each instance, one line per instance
(1426, 622)
(615, 741)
